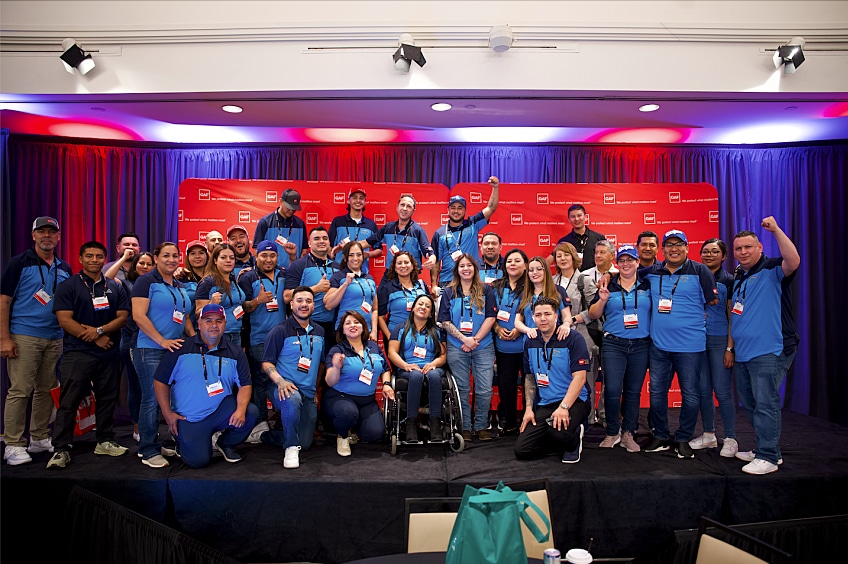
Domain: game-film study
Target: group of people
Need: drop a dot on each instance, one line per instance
(300, 325)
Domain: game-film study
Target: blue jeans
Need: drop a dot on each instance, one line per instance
(715, 377)
(413, 391)
(146, 361)
(133, 389)
(758, 384)
(260, 381)
(357, 413)
(298, 414)
(663, 366)
(480, 361)
(195, 439)
(625, 363)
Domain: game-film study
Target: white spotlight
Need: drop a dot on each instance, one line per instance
(73, 57)
(500, 38)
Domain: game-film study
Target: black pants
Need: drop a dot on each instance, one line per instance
(542, 439)
(82, 371)
(509, 378)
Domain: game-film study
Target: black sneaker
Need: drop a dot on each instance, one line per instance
(411, 430)
(684, 450)
(436, 429)
(230, 454)
(656, 445)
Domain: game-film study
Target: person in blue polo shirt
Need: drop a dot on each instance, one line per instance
(91, 310)
(264, 288)
(490, 261)
(555, 371)
(351, 288)
(294, 350)
(219, 286)
(194, 387)
(397, 292)
(403, 235)
(284, 228)
(315, 270)
(459, 235)
(680, 290)
(626, 305)
(353, 226)
(31, 340)
(762, 326)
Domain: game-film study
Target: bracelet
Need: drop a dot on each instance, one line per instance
(389, 384)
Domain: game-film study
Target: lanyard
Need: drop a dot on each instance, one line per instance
(93, 286)
(173, 295)
(280, 221)
(449, 236)
(276, 282)
(548, 359)
(635, 291)
(570, 280)
(367, 285)
(582, 239)
(358, 229)
(674, 288)
(203, 358)
(514, 296)
(323, 267)
(55, 278)
(418, 336)
(490, 267)
(741, 288)
(405, 237)
(300, 342)
(229, 295)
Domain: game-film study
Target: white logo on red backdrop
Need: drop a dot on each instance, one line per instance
(180, 215)
(444, 218)
(270, 196)
(202, 235)
(609, 198)
(541, 198)
(476, 198)
(380, 218)
(204, 194)
(516, 219)
(380, 262)
(612, 239)
(244, 216)
(587, 218)
(650, 218)
(312, 218)
(544, 240)
(338, 197)
(674, 197)
(713, 216)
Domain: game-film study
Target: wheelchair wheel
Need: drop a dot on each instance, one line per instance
(394, 441)
(458, 443)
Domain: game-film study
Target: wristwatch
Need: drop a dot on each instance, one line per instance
(573, 320)
(729, 349)
(100, 331)
(564, 404)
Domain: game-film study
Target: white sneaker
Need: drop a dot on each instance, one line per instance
(610, 441)
(759, 466)
(707, 440)
(155, 461)
(292, 457)
(44, 445)
(343, 446)
(254, 438)
(730, 448)
(14, 455)
(749, 456)
(215, 436)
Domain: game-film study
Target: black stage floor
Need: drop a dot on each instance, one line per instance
(335, 509)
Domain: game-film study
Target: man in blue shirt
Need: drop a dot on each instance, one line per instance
(284, 228)
(459, 235)
(31, 340)
(762, 327)
(555, 371)
(91, 310)
(353, 226)
(680, 290)
(403, 235)
(240, 242)
(194, 387)
(490, 261)
(315, 270)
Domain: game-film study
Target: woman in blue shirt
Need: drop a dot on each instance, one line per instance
(353, 289)
(219, 287)
(196, 259)
(417, 350)
(398, 290)
(626, 305)
(541, 283)
(354, 367)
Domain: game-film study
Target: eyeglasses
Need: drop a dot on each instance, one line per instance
(673, 245)
(711, 253)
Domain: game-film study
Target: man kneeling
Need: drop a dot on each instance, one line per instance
(556, 371)
(198, 381)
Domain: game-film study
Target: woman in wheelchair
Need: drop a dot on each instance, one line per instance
(354, 367)
(417, 351)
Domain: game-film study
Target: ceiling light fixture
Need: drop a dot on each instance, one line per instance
(649, 108)
(406, 53)
(441, 107)
(73, 57)
(500, 38)
(790, 55)
(231, 109)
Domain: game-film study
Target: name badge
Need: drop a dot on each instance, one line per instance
(178, 317)
(408, 305)
(631, 321)
(664, 306)
(737, 308)
(272, 305)
(580, 255)
(503, 315)
(456, 255)
(394, 249)
(489, 279)
(238, 312)
(466, 327)
(542, 379)
(100, 303)
(346, 240)
(419, 352)
(280, 240)
(42, 297)
(365, 376)
(215, 388)
(303, 364)
(366, 307)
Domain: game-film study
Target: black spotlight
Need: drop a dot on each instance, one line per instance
(406, 53)
(75, 58)
(790, 55)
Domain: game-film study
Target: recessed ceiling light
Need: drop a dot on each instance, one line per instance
(649, 108)
(232, 109)
(440, 107)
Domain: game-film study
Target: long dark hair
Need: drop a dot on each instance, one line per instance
(212, 268)
(430, 328)
(476, 295)
(501, 283)
(346, 251)
(342, 338)
(132, 272)
(549, 289)
(391, 273)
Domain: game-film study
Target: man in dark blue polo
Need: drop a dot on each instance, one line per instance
(490, 261)
(680, 290)
(194, 387)
(762, 327)
(404, 234)
(284, 228)
(31, 340)
(315, 270)
(555, 370)
(353, 226)
(91, 309)
(239, 240)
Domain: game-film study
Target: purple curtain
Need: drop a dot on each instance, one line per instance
(97, 191)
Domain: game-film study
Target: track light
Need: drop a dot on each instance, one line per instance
(406, 53)
(500, 38)
(75, 58)
(790, 55)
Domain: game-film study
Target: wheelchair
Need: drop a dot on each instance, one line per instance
(394, 413)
